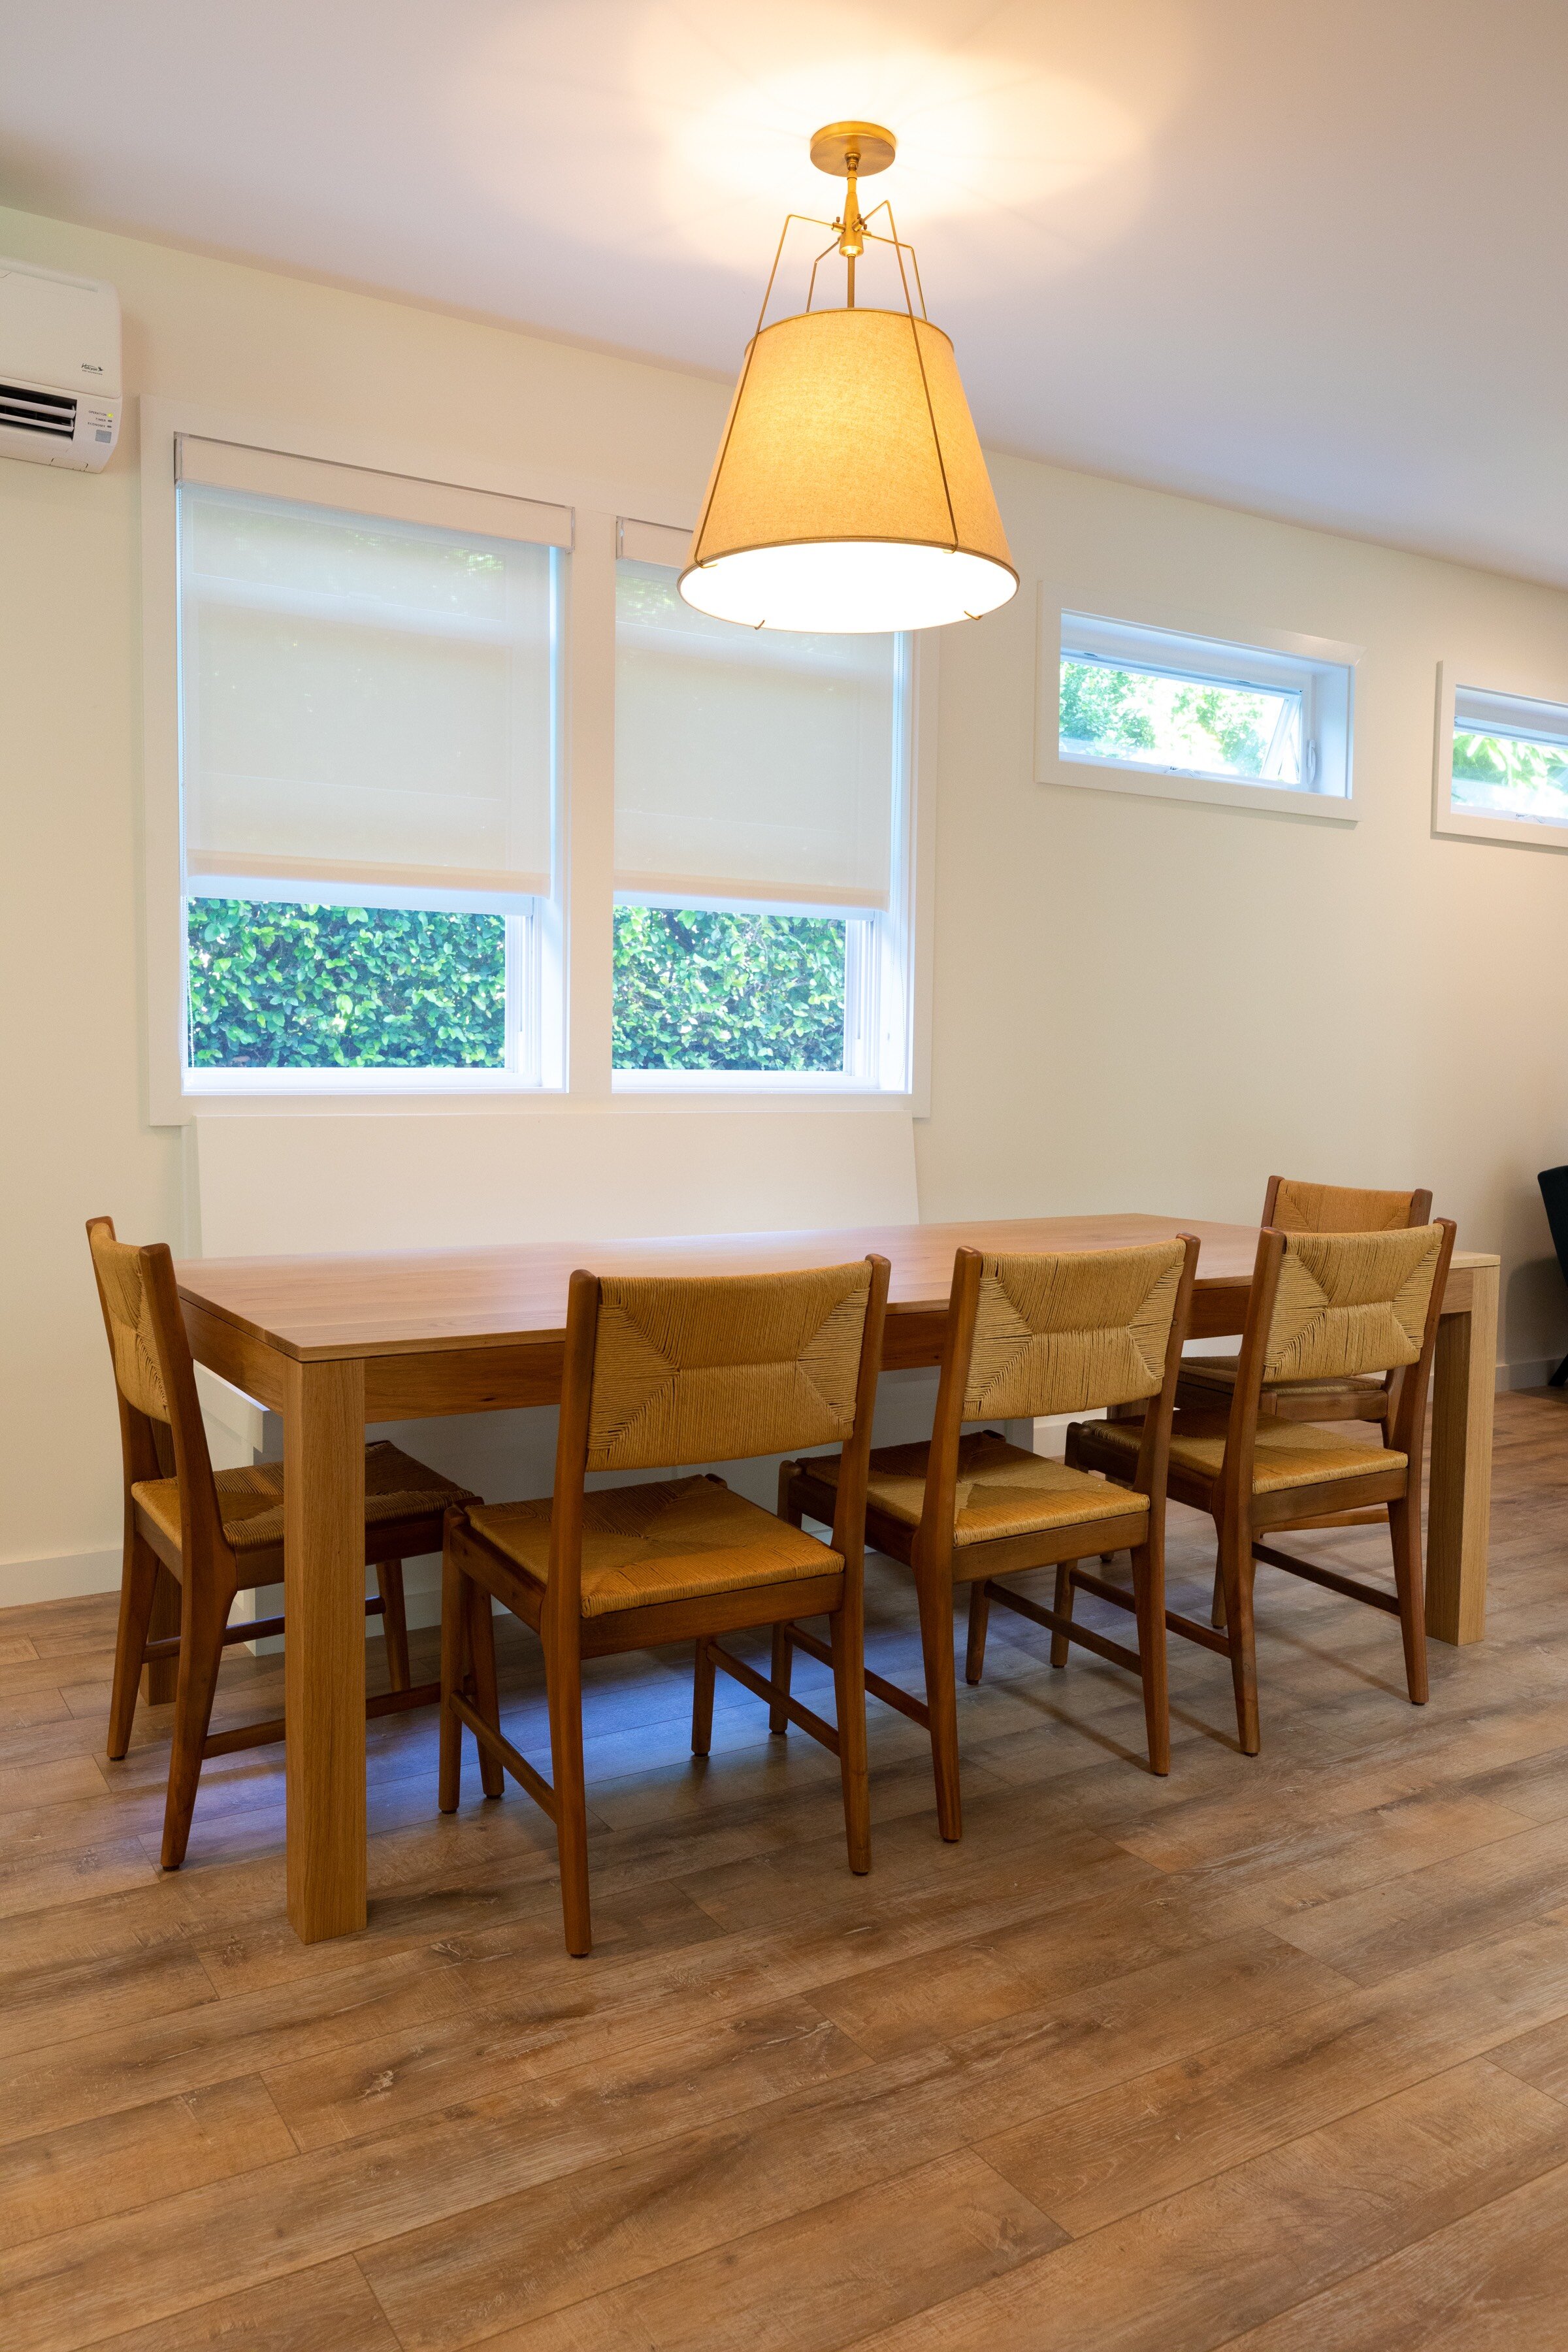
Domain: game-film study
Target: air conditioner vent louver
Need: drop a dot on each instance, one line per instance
(25, 411)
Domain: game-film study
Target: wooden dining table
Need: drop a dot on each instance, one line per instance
(334, 1343)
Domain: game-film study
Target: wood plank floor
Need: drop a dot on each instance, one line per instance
(1272, 2055)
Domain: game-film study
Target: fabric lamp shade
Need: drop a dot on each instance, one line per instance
(849, 492)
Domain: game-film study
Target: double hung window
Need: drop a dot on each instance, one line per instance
(761, 845)
(368, 725)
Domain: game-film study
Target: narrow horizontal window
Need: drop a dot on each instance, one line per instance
(1249, 719)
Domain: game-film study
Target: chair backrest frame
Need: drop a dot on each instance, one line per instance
(1406, 1430)
(1418, 1206)
(563, 1599)
(936, 1531)
(177, 1447)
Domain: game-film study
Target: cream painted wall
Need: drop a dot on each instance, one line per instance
(1137, 1004)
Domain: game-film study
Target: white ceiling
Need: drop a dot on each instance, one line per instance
(1302, 256)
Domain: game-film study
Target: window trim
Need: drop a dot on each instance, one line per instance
(572, 929)
(1279, 652)
(1465, 824)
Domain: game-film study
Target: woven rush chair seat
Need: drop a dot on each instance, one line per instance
(998, 1490)
(250, 1500)
(671, 1540)
(1286, 1454)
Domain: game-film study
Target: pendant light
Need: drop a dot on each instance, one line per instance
(849, 491)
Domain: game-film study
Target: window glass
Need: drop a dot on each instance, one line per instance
(1505, 766)
(698, 988)
(1112, 711)
(278, 986)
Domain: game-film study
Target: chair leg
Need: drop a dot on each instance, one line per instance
(935, 1598)
(564, 1685)
(979, 1622)
(846, 1632)
(1216, 1610)
(161, 1676)
(393, 1621)
(703, 1673)
(1149, 1597)
(201, 1655)
(1404, 1528)
(487, 1693)
(1063, 1607)
(137, 1583)
(1237, 1568)
(781, 1673)
(454, 1670)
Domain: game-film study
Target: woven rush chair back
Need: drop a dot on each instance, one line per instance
(162, 1428)
(125, 1296)
(1294, 1207)
(1349, 1303)
(1066, 1333)
(720, 1368)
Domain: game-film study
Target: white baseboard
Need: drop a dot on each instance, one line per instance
(1528, 1372)
(61, 1576)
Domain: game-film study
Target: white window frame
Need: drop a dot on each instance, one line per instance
(1321, 669)
(568, 939)
(1549, 701)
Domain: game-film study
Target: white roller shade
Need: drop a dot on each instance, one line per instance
(749, 765)
(356, 490)
(367, 697)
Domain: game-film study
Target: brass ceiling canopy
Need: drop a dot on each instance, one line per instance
(849, 493)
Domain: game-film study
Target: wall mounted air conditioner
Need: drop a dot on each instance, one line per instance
(59, 368)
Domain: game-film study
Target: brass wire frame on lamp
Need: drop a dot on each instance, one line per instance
(804, 403)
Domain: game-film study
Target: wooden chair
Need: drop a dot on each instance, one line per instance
(659, 1371)
(1322, 1306)
(1293, 1207)
(219, 1534)
(1026, 1335)
(1553, 1183)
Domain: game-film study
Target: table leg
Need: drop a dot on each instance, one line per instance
(323, 1645)
(1458, 1508)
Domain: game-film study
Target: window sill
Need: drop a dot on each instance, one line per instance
(824, 1084)
(1512, 832)
(310, 1085)
(1215, 792)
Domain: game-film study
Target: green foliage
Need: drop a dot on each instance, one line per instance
(1174, 722)
(1511, 775)
(317, 988)
(723, 991)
